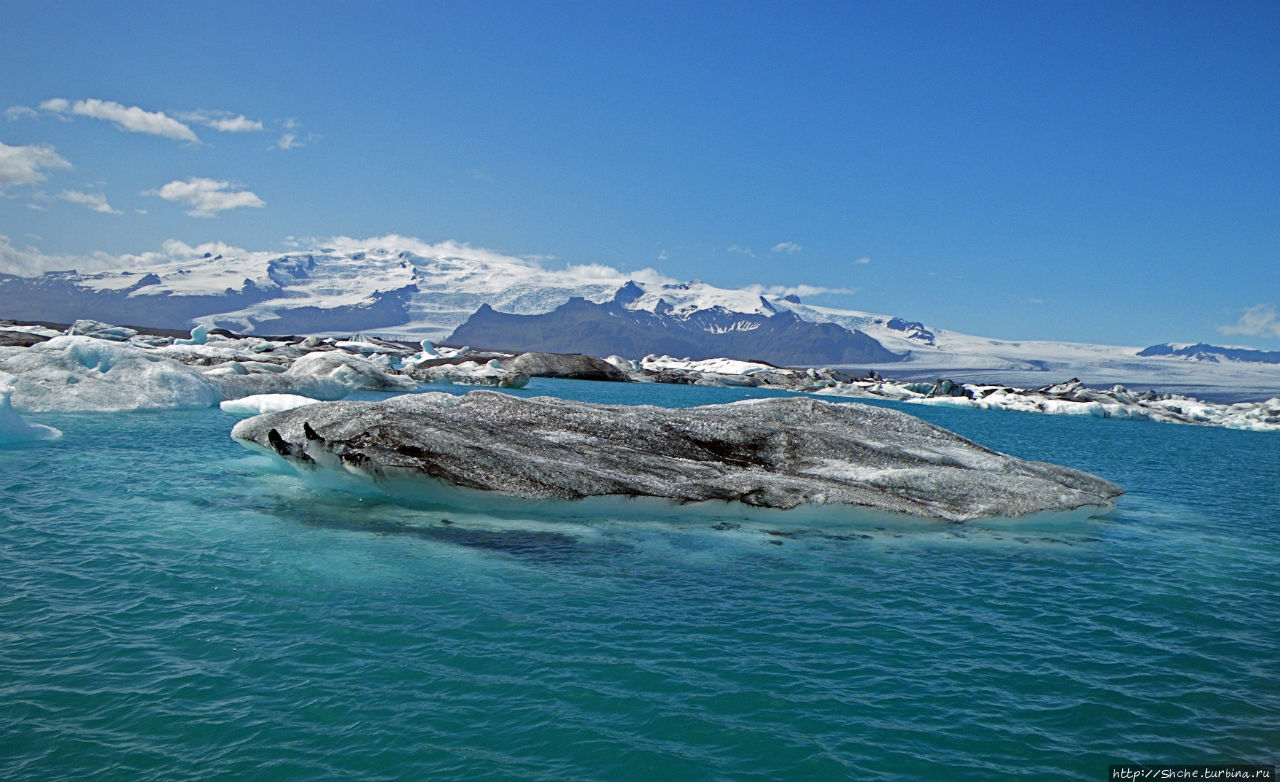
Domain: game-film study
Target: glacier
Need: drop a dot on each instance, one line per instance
(546, 455)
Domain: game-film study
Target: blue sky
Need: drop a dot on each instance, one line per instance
(1105, 172)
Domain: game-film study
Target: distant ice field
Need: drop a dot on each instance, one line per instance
(173, 607)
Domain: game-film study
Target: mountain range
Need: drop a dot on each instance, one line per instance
(451, 292)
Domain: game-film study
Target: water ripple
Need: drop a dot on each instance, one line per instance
(175, 612)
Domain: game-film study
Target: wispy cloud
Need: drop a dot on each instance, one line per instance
(27, 165)
(19, 112)
(94, 201)
(207, 197)
(790, 248)
(480, 176)
(796, 290)
(131, 118)
(863, 261)
(222, 121)
(294, 137)
(1260, 320)
(741, 250)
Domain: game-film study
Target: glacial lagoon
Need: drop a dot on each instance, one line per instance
(174, 607)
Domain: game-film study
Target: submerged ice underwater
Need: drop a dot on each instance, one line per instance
(174, 607)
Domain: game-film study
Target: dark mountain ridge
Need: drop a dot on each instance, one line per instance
(581, 326)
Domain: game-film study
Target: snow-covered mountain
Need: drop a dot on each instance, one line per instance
(407, 288)
(1215, 353)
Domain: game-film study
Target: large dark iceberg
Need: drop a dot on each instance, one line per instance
(491, 450)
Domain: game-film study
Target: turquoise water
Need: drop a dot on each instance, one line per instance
(173, 607)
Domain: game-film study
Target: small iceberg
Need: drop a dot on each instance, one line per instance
(199, 336)
(258, 404)
(13, 427)
(508, 454)
(355, 372)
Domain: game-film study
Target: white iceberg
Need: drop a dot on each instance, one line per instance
(259, 404)
(1072, 398)
(85, 373)
(199, 336)
(355, 372)
(100, 330)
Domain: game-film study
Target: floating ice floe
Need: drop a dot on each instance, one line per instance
(100, 330)
(199, 336)
(355, 372)
(471, 373)
(13, 427)
(792, 455)
(713, 366)
(23, 336)
(1072, 398)
(574, 366)
(370, 346)
(236, 386)
(725, 372)
(88, 373)
(259, 404)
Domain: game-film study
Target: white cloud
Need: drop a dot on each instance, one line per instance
(742, 250)
(130, 118)
(207, 197)
(294, 137)
(863, 261)
(19, 112)
(480, 176)
(1260, 320)
(176, 250)
(37, 207)
(650, 276)
(662, 256)
(240, 124)
(790, 248)
(222, 121)
(94, 201)
(29, 164)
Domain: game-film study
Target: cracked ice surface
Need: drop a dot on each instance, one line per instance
(782, 453)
